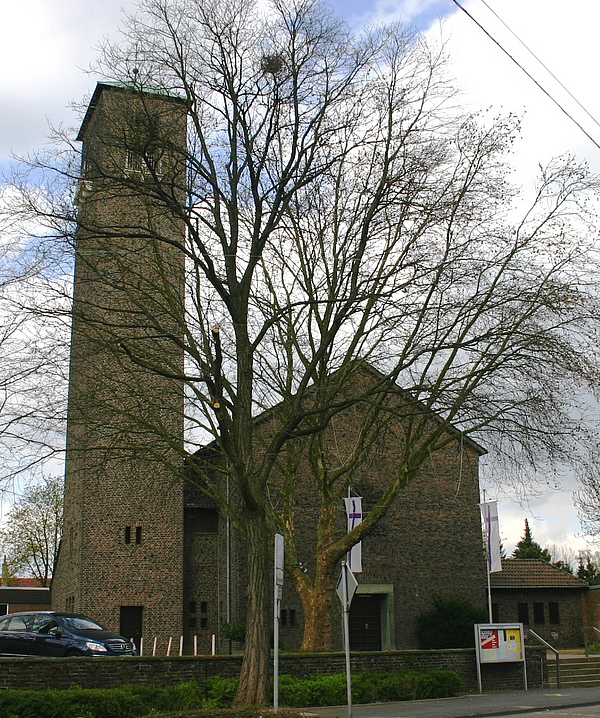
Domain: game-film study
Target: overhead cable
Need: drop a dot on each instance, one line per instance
(529, 75)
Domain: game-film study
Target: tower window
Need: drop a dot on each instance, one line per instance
(192, 614)
(138, 534)
(203, 614)
(127, 534)
(201, 521)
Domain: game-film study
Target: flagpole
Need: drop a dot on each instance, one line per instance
(489, 586)
(488, 558)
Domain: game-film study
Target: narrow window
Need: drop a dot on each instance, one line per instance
(292, 617)
(554, 613)
(523, 613)
(192, 614)
(138, 534)
(127, 534)
(538, 614)
(284, 617)
(495, 613)
(203, 614)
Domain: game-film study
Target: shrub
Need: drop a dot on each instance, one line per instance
(234, 631)
(188, 700)
(127, 702)
(450, 624)
(220, 692)
(369, 686)
(320, 690)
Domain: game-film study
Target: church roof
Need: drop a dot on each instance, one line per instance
(533, 573)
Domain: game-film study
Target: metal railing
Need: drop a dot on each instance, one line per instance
(550, 648)
(585, 637)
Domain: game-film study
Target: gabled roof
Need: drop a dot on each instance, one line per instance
(533, 573)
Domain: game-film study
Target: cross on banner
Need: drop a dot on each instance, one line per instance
(489, 511)
(354, 511)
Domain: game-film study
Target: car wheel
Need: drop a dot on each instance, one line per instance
(73, 652)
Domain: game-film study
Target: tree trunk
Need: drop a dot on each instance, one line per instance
(256, 666)
(317, 603)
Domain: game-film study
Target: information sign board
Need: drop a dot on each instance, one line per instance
(499, 642)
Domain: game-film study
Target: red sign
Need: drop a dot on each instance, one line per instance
(489, 639)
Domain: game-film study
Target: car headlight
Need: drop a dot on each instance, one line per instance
(97, 647)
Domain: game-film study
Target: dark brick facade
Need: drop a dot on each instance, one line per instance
(428, 544)
(567, 632)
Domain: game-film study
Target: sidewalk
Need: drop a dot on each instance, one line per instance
(496, 703)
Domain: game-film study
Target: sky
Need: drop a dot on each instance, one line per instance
(46, 49)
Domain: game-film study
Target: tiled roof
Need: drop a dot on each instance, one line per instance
(533, 573)
(22, 582)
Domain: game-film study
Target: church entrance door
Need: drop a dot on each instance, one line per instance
(365, 622)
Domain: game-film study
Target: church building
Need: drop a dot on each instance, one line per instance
(146, 553)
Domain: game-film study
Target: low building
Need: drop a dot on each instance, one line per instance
(23, 594)
(544, 598)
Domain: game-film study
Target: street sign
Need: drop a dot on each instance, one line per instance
(279, 559)
(351, 586)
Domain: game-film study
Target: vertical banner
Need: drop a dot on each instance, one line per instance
(489, 511)
(354, 511)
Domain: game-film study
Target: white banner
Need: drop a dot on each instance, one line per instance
(489, 511)
(354, 511)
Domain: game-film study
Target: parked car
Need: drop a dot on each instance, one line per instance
(51, 633)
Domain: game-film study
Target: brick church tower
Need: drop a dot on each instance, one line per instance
(121, 558)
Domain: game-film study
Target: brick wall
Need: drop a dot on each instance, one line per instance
(97, 672)
(567, 633)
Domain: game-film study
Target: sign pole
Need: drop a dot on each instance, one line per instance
(346, 609)
(278, 591)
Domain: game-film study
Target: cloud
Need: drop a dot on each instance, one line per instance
(44, 50)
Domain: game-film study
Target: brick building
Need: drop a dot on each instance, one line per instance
(542, 597)
(141, 552)
(122, 550)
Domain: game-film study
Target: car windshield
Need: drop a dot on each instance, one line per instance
(80, 623)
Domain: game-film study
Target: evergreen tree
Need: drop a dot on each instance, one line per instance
(528, 548)
(563, 566)
(587, 570)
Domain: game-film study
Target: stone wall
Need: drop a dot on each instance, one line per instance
(97, 672)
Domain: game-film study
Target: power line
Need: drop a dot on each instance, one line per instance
(548, 70)
(529, 75)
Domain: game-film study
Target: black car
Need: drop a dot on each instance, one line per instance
(50, 633)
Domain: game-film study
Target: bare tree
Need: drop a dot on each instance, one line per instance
(33, 349)
(339, 212)
(33, 529)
